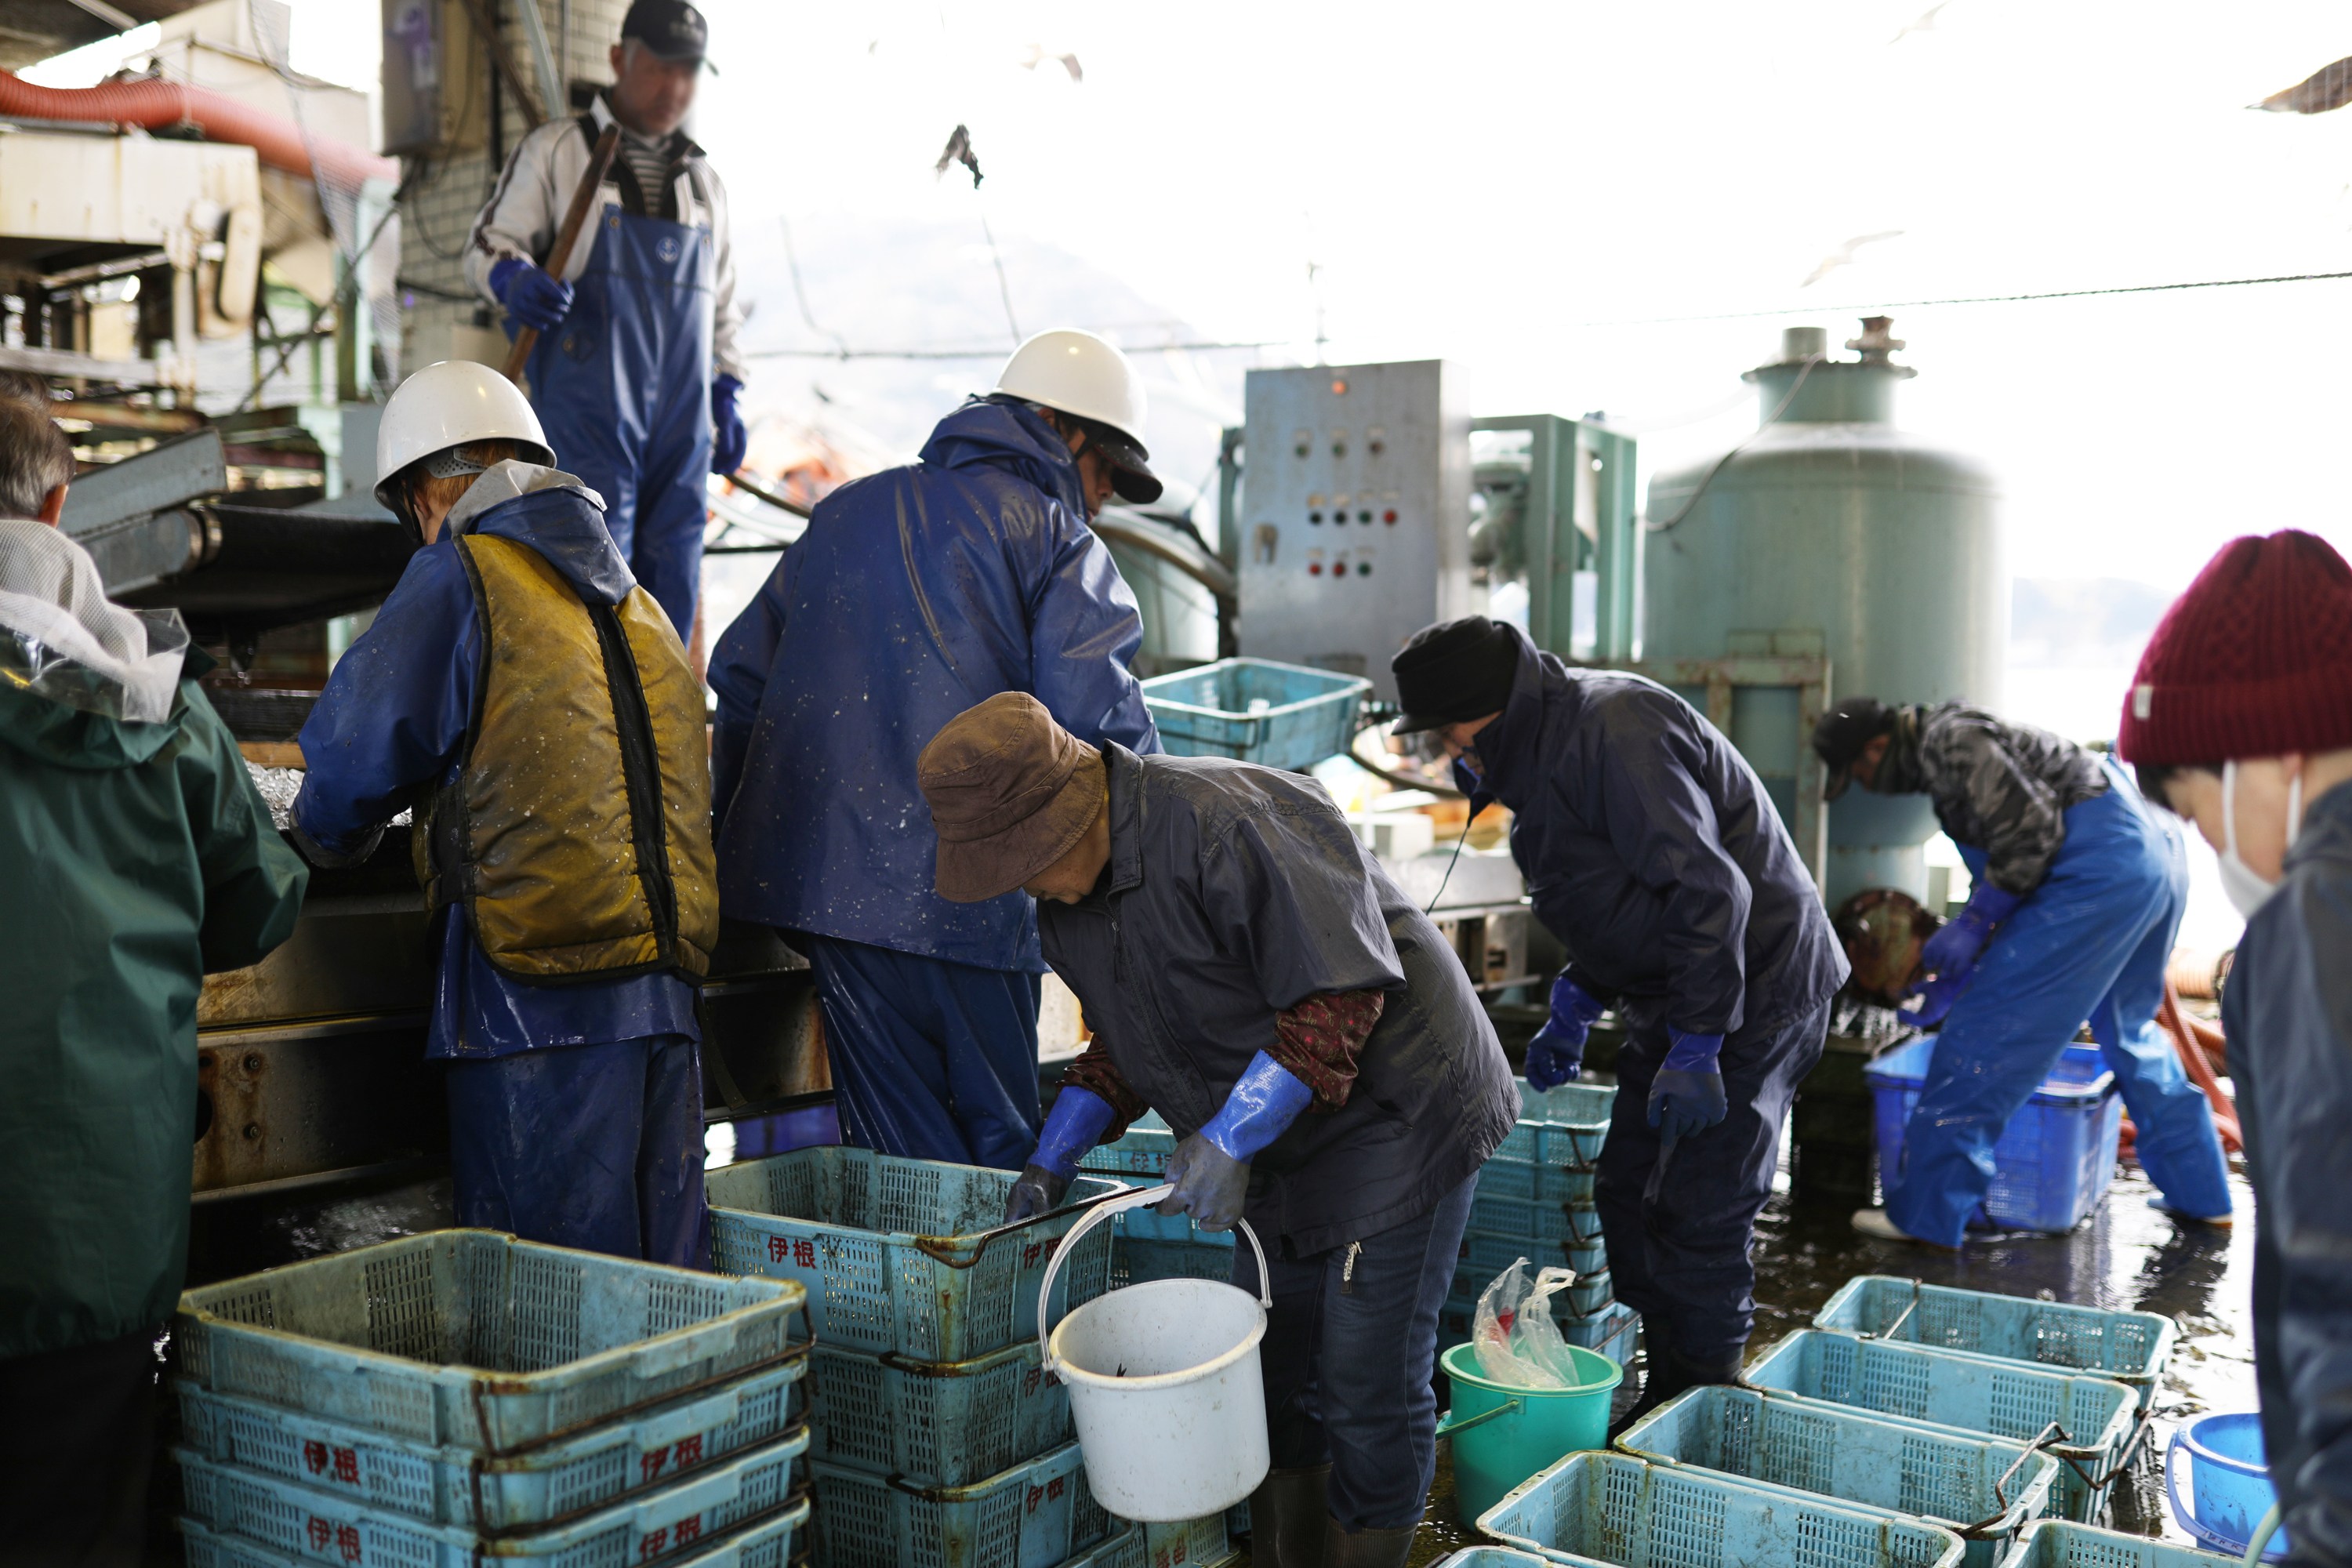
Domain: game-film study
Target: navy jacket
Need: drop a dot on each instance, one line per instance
(916, 593)
(1652, 851)
(2287, 1011)
(393, 720)
(1235, 892)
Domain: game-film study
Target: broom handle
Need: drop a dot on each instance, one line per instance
(599, 162)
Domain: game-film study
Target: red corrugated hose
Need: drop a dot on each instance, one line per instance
(151, 102)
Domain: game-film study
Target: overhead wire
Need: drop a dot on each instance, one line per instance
(1880, 305)
(1770, 420)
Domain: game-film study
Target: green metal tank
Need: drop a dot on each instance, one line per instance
(1831, 530)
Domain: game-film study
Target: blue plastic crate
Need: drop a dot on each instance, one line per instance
(1134, 1260)
(1490, 1255)
(1201, 1542)
(940, 1423)
(1986, 1489)
(891, 1250)
(1576, 1223)
(1278, 715)
(2055, 1159)
(2130, 1347)
(768, 1544)
(2060, 1543)
(1031, 1515)
(1563, 1126)
(463, 1488)
(1972, 1392)
(1141, 1151)
(326, 1527)
(1503, 1178)
(1124, 1549)
(471, 1339)
(1597, 1508)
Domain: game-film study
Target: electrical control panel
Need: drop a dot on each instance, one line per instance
(1354, 515)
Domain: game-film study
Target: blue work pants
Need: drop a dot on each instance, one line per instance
(1679, 1217)
(932, 1061)
(2090, 943)
(598, 1147)
(1349, 1350)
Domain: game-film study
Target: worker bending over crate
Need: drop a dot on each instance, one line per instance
(532, 699)
(1256, 978)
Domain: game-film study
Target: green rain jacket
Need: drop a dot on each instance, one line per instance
(134, 859)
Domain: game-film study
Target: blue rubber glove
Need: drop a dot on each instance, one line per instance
(1935, 999)
(1557, 1053)
(1075, 1126)
(1952, 952)
(1210, 1170)
(531, 296)
(1686, 1096)
(727, 437)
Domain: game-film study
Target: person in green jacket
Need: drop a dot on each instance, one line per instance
(135, 857)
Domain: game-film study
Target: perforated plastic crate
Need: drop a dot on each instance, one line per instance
(768, 1544)
(1987, 1488)
(1576, 1223)
(1597, 1508)
(459, 1487)
(1563, 1126)
(1031, 1515)
(940, 1423)
(1189, 1544)
(1615, 1330)
(892, 1251)
(2130, 1347)
(1277, 715)
(1141, 1151)
(1490, 1255)
(323, 1527)
(1975, 1394)
(1525, 1180)
(1134, 1260)
(470, 1339)
(1125, 1549)
(2059, 1544)
(2052, 1165)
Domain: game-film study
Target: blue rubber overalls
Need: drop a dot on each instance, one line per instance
(623, 389)
(2090, 942)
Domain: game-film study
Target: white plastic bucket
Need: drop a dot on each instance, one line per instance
(1164, 1385)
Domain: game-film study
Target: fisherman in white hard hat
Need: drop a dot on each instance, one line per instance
(914, 594)
(567, 861)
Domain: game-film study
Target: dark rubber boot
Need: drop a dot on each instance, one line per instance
(1364, 1548)
(1288, 1515)
(1678, 1374)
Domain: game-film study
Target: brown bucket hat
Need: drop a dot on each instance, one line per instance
(1011, 793)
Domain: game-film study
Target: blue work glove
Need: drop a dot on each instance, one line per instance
(1210, 1170)
(727, 437)
(1077, 1125)
(1935, 999)
(1557, 1053)
(1952, 952)
(531, 296)
(1686, 1096)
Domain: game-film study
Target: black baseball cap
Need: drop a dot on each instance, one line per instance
(670, 29)
(1842, 732)
(1131, 479)
(1455, 671)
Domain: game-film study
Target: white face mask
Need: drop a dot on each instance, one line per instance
(2249, 889)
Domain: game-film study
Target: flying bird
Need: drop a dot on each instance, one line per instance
(2328, 88)
(1843, 255)
(1924, 22)
(959, 151)
(1038, 54)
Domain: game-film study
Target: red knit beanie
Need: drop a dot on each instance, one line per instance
(2253, 661)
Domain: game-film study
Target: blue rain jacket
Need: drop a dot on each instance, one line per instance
(1652, 851)
(394, 717)
(916, 593)
(2287, 1011)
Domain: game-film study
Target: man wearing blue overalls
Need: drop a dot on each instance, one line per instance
(635, 375)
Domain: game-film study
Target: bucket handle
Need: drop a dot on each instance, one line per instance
(1134, 1198)
(1450, 1425)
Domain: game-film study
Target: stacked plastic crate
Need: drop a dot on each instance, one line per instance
(461, 1397)
(935, 1435)
(1535, 1201)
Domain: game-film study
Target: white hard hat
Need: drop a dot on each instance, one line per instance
(1080, 374)
(452, 404)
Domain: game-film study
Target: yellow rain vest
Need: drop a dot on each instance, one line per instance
(577, 832)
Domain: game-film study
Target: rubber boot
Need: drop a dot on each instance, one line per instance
(1660, 1378)
(1364, 1548)
(1288, 1515)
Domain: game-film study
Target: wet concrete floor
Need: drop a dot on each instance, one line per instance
(2126, 1255)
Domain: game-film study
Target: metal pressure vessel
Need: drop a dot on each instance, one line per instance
(1831, 530)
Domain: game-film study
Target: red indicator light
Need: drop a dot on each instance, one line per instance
(1314, 568)
(1389, 516)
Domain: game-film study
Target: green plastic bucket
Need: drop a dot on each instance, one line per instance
(1503, 1434)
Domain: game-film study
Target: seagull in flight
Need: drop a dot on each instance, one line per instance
(1843, 255)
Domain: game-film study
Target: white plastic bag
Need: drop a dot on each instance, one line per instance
(1519, 1344)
